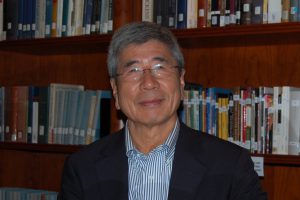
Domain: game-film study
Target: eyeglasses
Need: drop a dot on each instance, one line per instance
(135, 72)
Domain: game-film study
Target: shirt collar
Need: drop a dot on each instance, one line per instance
(169, 144)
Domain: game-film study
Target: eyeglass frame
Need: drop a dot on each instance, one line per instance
(140, 71)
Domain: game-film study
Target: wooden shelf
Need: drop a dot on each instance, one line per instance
(188, 38)
(242, 35)
(46, 46)
(46, 148)
(282, 160)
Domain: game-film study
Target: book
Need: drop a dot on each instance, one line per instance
(48, 18)
(104, 16)
(294, 10)
(232, 18)
(110, 16)
(40, 17)
(147, 10)
(285, 17)
(181, 14)
(43, 114)
(274, 11)
(95, 17)
(192, 13)
(246, 11)
(294, 125)
(60, 5)
(54, 87)
(202, 13)
(72, 115)
(215, 13)
(2, 33)
(257, 12)
(87, 19)
(265, 11)
(238, 10)
(171, 14)
(157, 12)
(2, 106)
(33, 19)
(11, 19)
(78, 17)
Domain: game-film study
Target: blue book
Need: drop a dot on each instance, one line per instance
(87, 19)
(65, 18)
(181, 14)
(80, 108)
(20, 18)
(32, 19)
(28, 18)
(72, 113)
(48, 19)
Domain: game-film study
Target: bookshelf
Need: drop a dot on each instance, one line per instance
(249, 55)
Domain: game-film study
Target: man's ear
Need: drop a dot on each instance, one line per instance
(182, 83)
(114, 88)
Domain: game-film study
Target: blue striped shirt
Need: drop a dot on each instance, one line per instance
(149, 174)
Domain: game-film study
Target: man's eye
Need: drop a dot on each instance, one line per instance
(133, 70)
(159, 67)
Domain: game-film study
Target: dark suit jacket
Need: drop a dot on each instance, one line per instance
(204, 167)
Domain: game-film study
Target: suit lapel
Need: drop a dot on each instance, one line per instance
(112, 169)
(188, 169)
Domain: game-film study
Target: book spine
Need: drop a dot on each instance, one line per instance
(215, 13)
(285, 11)
(181, 14)
(246, 11)
(48, 18)
(274, 11)
(192, 13)
(257, 12)
(147, 10)
(202, 13)
(294, 9)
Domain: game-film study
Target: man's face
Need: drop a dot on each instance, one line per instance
(147, 99)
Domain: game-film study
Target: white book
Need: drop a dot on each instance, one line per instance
(283, 134)
(277, 122)
(40, 18)
(78, 17)
(60, 5)
(147, 10)
(104, 17)
(294, 121)
(192, 13)
(70, 25)
(274, 11)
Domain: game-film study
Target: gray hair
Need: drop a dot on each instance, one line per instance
(140, 33)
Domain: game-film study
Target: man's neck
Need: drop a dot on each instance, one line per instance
(146, 138)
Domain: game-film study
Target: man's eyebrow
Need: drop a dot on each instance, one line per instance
(159, 58)
(156, 58)
(130, 63)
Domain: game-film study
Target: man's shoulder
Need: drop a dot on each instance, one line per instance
(210, 145)
(99, 147)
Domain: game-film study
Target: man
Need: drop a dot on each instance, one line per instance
(155, 156)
